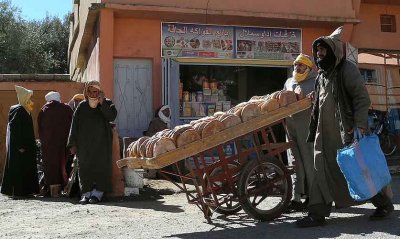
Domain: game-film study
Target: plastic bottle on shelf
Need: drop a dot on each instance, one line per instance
(199, 96)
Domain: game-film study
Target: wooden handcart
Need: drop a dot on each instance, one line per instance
(238, 168)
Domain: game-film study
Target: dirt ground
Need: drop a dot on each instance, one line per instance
(162, 211)
(46, 217)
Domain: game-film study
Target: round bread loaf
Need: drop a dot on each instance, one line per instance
(229, 120)
(286, 97)
(275, 94)
(218, 114)
(163, 145)
(150, 146)
(249, 111)
(173, 134)
(138, 143)
(143, 147)
(188, 136)
(129, 151)
(269, 105)
(299, 93)
(211, 128)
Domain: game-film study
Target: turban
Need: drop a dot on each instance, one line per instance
(53, 95)
(304, 59)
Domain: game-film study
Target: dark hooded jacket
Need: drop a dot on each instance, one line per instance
(351, 96)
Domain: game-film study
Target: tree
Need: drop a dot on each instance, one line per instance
(11, 35)
(32, 46)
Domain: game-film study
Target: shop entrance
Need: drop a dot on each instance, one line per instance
(229, 86)
(234, 83)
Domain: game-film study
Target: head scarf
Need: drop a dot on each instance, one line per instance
(163, 117)
(93, 102)
(53, 95)
(94, 84)
(23, 94)
(78, 97)
(306, 60)
(24, 97)
(334, 46)
(328, 61)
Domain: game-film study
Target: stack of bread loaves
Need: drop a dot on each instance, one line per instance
(167, 140)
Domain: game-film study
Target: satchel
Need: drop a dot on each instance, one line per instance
(364, 166)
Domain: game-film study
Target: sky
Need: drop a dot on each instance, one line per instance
(36, 9)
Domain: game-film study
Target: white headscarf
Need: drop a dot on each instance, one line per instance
(164, 118)
(53, 95)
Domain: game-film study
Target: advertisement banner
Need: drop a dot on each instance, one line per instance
(267, 43)
(194, 40)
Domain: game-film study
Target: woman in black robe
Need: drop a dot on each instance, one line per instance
(20, 174)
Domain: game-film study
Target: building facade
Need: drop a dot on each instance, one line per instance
(147, 53)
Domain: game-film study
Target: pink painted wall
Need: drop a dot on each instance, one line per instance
(93, 64)
(368, 34)
(106, 51)
(282, 8)
(138, 38)
(8, 97)
(66, 89)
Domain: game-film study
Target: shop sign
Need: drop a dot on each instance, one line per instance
(267, 43)
(194, 40)
(214, 41)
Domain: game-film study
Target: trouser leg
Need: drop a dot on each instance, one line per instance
(381, 199)
(318, 207)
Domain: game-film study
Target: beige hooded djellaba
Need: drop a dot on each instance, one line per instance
(342, 103)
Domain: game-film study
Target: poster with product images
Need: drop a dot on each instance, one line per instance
(195, 40)
(267, 43)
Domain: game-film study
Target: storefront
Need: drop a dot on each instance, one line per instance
(209, 68)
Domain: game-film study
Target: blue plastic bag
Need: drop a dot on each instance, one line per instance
(364, 166)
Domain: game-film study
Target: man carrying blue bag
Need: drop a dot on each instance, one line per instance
(340, 104)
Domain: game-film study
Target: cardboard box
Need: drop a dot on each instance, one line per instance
(214, 98)
(206, 92)
(218, 106)
(202, 110)
(211, 109)
(221, 97)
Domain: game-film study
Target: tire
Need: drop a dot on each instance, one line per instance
(231, 203)
(388, 145)
(272, 200)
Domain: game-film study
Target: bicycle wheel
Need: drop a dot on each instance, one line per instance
(388, 145)
(265, 189)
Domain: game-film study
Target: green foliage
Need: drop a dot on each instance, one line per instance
(32, 46)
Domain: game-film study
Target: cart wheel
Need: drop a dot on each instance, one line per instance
(264, 188)
(229, 202)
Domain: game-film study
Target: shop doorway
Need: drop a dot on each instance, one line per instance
(234, 84)
(239, 82)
